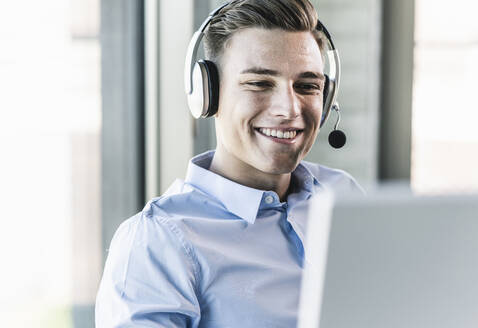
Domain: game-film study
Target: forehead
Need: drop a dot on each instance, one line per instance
(274, 49)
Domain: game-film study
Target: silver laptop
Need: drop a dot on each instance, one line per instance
(393, 260)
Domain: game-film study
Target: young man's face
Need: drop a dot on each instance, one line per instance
(270, 99)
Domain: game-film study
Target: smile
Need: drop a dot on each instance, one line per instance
(286, 134)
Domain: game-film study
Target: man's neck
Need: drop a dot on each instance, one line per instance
(249, 176)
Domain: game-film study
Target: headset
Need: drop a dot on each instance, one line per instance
(201, 81)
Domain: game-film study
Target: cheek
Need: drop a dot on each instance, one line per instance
(314, 113)
(247, 107)
(235, 119)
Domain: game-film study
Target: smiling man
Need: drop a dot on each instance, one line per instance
(270, 106)
(224, 247)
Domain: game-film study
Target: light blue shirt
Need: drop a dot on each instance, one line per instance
(212, 253)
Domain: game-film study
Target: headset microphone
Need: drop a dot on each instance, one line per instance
(337, 137)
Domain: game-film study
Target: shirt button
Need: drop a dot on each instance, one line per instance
(269, 199)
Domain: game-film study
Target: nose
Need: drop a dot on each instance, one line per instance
(285, 103)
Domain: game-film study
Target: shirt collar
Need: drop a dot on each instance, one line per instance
(238, 199)
(305, 179)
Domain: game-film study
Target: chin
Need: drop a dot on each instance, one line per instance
(280, 167)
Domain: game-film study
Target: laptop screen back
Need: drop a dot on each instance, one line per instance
(400, 261)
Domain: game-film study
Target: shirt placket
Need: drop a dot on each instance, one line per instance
(292, 234)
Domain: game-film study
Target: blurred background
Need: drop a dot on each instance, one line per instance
(93, 123)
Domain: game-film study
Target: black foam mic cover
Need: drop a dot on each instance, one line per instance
(337, 139)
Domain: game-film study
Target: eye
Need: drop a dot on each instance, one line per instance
(259, 84)
(308, 87)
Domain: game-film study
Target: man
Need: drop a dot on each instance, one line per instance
(224, 247)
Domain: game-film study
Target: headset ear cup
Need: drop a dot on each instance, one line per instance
(326, 89)
(213, 86)
(325, 111)
(197, 99)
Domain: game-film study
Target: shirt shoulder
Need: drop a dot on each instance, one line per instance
(334, 179)
(145, 234)
(151, 274)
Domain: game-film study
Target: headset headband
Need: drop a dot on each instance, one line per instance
(193, 50)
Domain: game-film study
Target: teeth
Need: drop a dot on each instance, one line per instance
(278, 133)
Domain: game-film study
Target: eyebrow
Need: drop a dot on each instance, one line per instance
(265, 71)
(261, 71)
(312, 75)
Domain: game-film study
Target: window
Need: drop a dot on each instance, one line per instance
(50, 125)
(445, 105)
